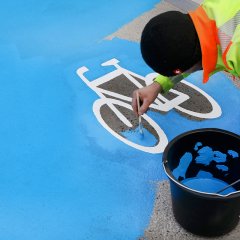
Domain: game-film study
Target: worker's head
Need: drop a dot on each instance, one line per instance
(170, 44)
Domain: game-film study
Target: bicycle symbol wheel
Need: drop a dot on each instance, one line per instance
(200, 105)
(110, 121)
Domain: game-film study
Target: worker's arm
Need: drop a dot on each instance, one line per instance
(168, 82)
(149, 93)
(147, 96)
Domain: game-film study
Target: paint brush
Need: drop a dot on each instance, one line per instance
(140, 126)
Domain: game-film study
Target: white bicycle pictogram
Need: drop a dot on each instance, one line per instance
(120, 104)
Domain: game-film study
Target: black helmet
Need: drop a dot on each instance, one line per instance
(170, 44)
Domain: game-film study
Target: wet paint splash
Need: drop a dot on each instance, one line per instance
(146, 139)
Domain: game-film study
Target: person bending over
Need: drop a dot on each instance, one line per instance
(175, 45)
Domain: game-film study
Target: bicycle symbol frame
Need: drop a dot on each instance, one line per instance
(161, 103)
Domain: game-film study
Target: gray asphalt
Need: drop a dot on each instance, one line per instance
(163, 226)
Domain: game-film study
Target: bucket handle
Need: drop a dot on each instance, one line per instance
(230, 185)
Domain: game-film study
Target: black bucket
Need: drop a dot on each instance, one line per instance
(199, 163)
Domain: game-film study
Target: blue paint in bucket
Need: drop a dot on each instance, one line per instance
(185, 160)
(146, 139)
(208, 185)
(204, 169)
(233, 153)
(204, 174)
(222, 167)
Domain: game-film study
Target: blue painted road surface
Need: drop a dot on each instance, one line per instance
(63, 175)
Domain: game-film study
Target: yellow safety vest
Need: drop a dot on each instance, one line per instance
(217, 23)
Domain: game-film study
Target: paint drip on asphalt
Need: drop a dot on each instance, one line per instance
(146, 139)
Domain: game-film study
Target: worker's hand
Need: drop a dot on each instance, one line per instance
(147, 95)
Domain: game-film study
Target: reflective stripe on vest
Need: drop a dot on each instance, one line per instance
(226, 36)
(226, 31)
